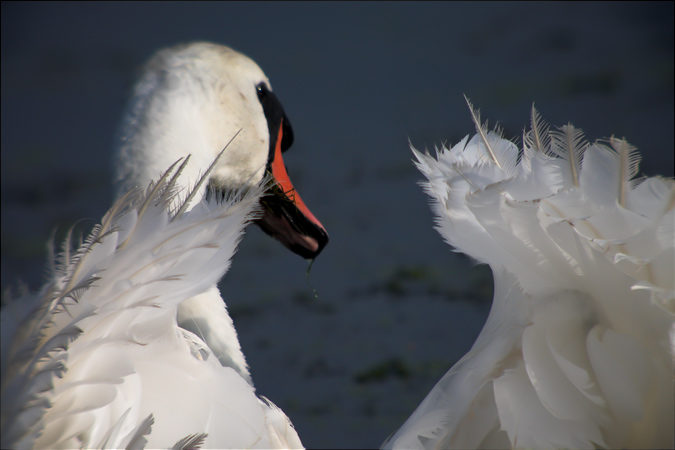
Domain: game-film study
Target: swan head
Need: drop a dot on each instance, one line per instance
(192, 99)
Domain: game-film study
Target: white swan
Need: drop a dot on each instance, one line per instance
(130, 344)
(577, 351)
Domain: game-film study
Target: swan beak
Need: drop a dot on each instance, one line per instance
(286, 217)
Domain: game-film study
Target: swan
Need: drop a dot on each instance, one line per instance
(130, 344)
(577, 351)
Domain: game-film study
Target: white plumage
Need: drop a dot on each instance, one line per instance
(577, 351)
(130, 344)
(100, 343)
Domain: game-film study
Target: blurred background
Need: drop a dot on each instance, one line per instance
(394, 307)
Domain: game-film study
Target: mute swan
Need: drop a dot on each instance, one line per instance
(130, 343)
(577, 351)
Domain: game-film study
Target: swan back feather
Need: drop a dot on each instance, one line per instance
(578, 348)
(96, 358)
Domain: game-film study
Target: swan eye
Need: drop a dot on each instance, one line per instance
(262, 91)
(274, 113)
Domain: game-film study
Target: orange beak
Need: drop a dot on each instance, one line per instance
(286, 217)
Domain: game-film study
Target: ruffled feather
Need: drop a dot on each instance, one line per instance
(577, 351)
(133, 377)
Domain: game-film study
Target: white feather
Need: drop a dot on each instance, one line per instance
(128, 359)
(578, 348)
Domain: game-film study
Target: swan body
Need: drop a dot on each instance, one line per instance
(577, 351)
(130, 343)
